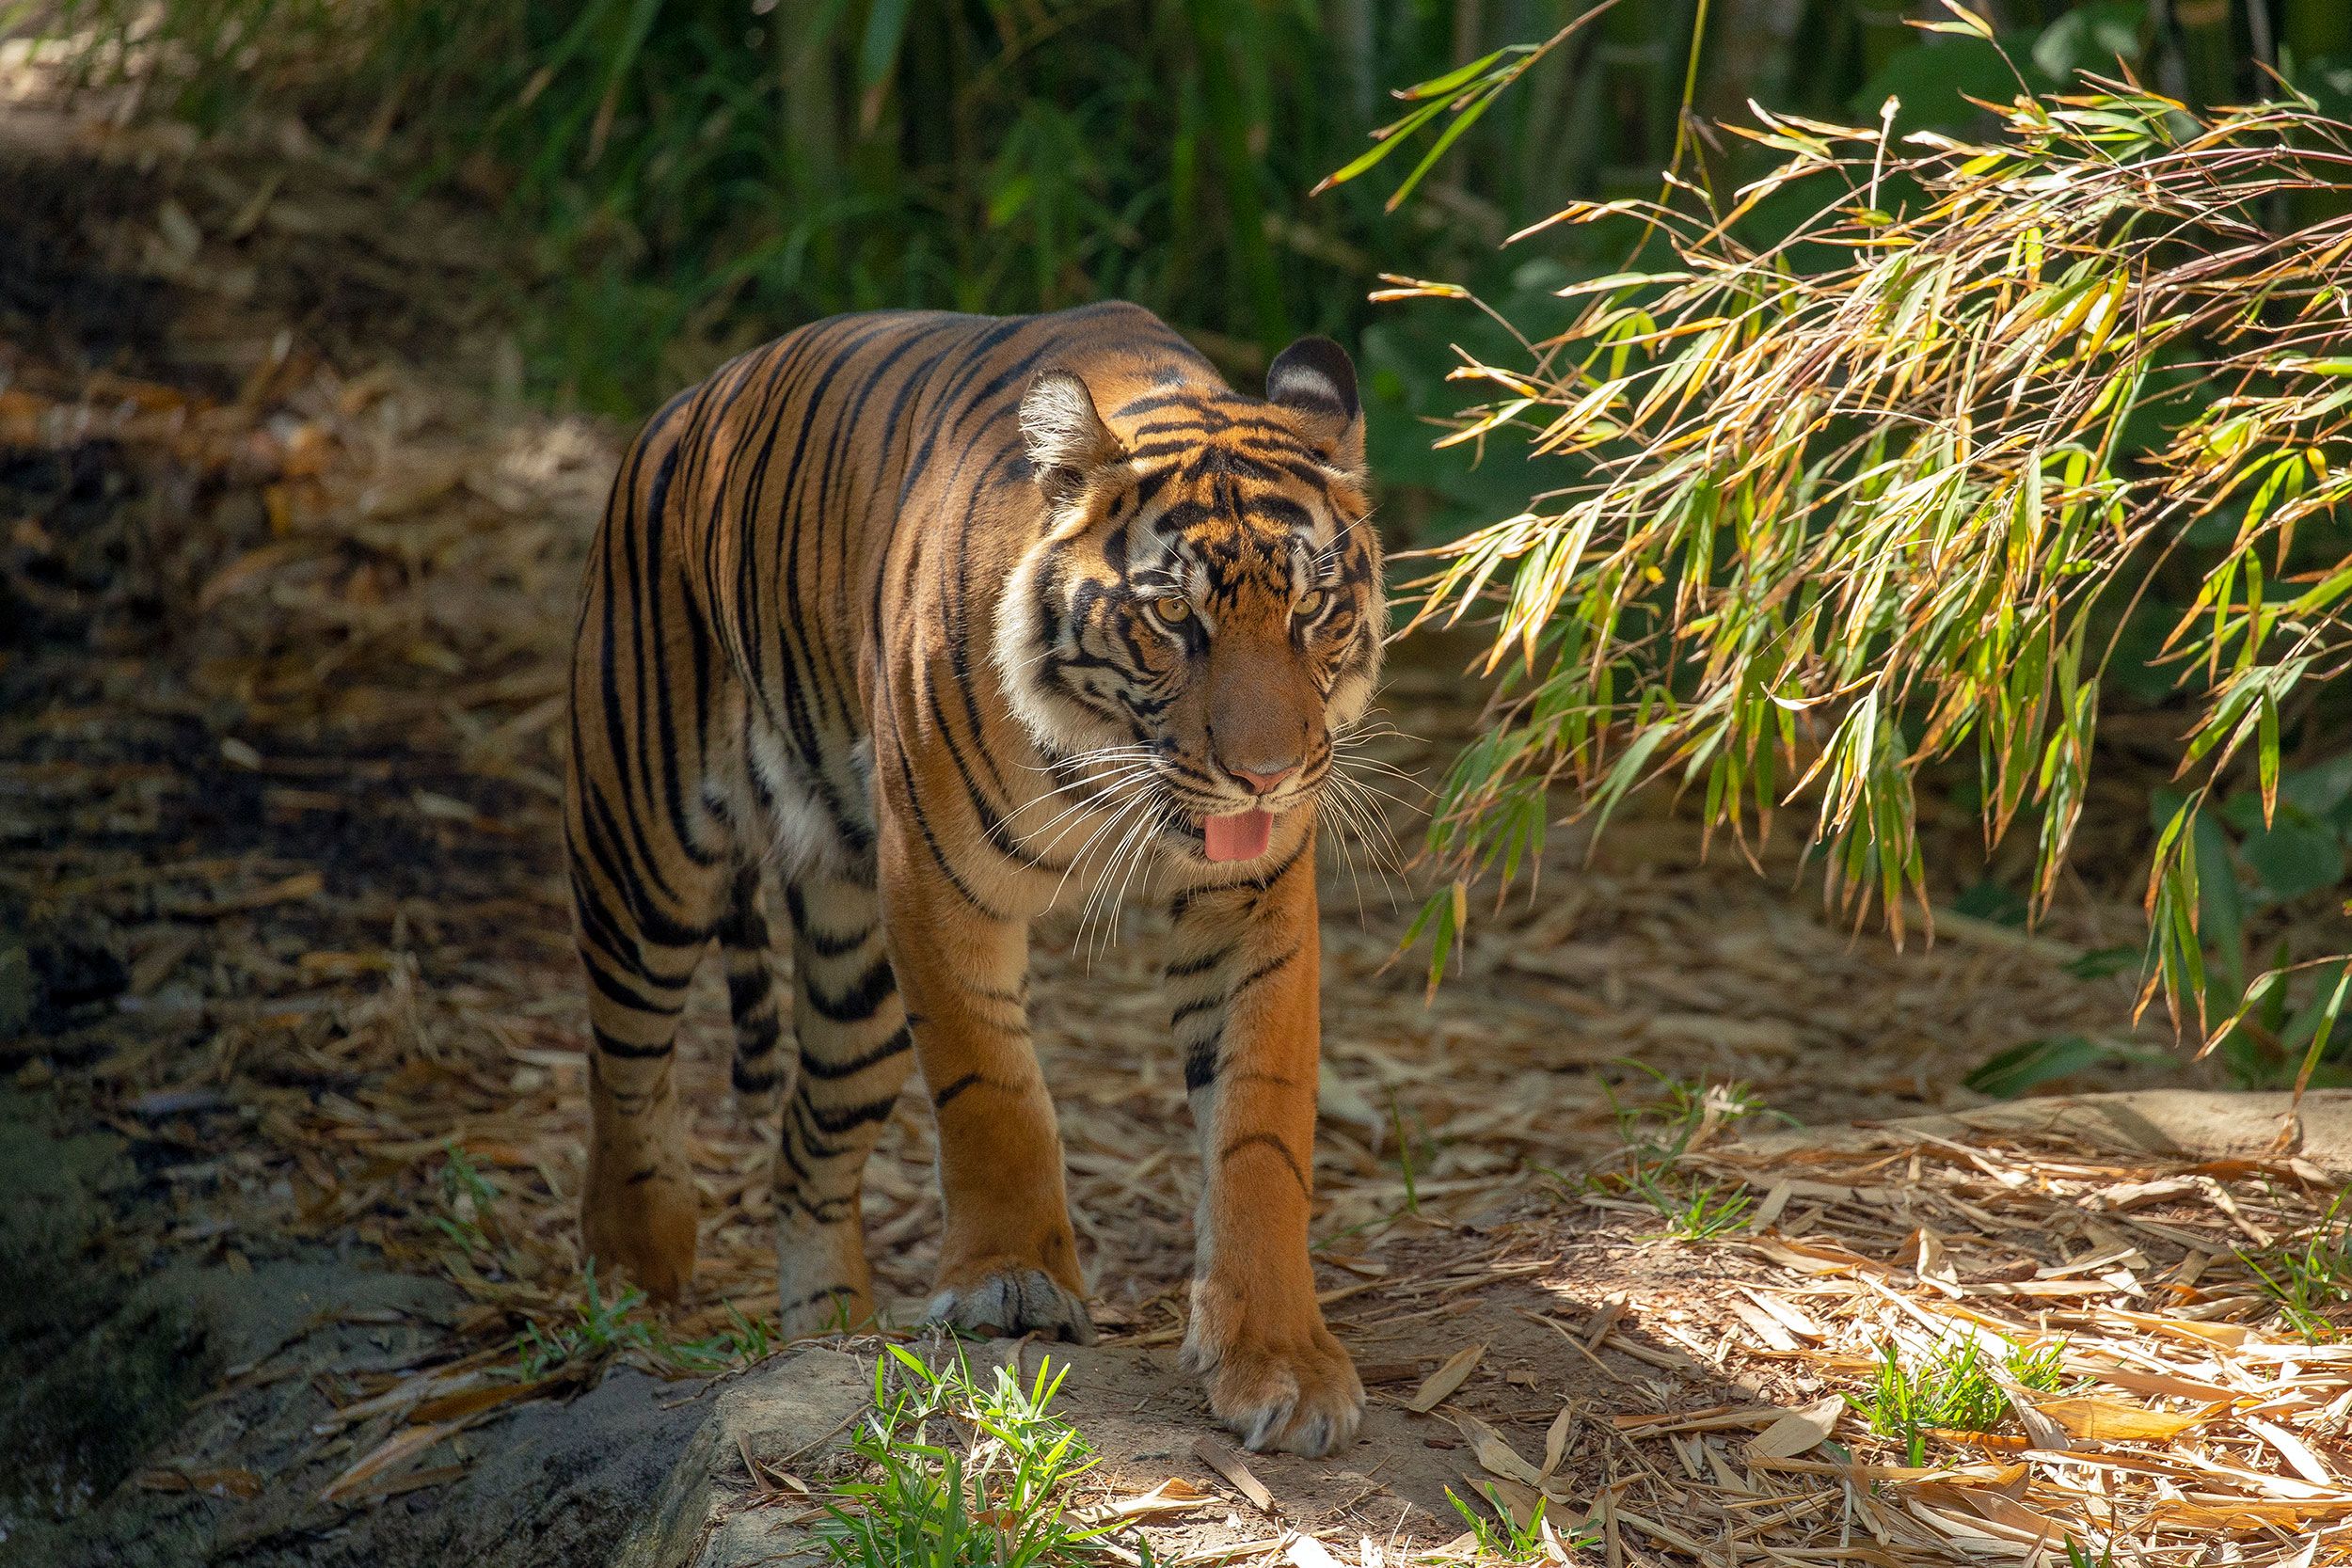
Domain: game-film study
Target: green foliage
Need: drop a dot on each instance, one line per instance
(695, 175)
(1880, 485)
(2276, 1029)
(603, 1330)
(2308, 1275)
(700, 174)
(1503, 1539)
(467, 1196)
(962, 1472)
(1952, 1388)
(1653, 1137)
(2027, 1066)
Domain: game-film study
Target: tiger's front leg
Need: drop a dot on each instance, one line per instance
(1007, 1260)
(1244, 984)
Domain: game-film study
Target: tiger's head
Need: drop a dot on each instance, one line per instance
(1201, 618)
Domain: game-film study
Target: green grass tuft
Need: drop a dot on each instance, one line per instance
(1954, 1389)
(2308, 1274)
(1657, 1135)
(602, 1330)
(963, 1471)
(1503, 1539)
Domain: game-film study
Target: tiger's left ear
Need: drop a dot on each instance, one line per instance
(1315, 380)
(1066, 441)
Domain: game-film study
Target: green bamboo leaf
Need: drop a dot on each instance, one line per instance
(1462, 122)
(2332, 1010)
(1392, 137)
(1440, 86)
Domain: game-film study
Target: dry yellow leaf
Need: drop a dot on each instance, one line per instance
(1446, 1379)
(1798, 1430)
(1494, 1454)
(2112, 1421)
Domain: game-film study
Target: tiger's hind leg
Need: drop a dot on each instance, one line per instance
(639, 1208)
(854, 1057)
(650, 845)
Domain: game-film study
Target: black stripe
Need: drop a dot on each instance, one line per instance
(624, 1051)
(899, 1041)
(939, 1101)
(1250, 1140)
(866, 993)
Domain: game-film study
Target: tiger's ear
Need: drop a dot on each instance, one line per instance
(1315, 380)
(1067, 440)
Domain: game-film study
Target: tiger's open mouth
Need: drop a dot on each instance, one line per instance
(1240, 835)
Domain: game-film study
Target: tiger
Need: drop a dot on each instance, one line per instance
(938, 622)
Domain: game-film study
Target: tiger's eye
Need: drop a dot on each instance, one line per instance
(1172, 610)
(1309, 602)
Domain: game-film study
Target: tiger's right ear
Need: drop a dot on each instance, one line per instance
(1067, 440)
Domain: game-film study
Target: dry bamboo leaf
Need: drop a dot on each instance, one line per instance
(1556, 1440)
(223, 1482)
(1767, 1328)
(472, 1401)
(2042, 1431)
(1226, 1463)
(1666, 1533)
(1715, 1418)
(1446, 1379)
(2112, 1421)
(1173, 1495)
(1813, 1257)
(2293, 1450)
(1494, 1454)
(1799, 1430)
(395, 1450)
(1768, 1212)
(1975, 1536)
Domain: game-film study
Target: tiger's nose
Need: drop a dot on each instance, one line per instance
(1264, 777)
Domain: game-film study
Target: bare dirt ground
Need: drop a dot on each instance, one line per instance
(287, 998)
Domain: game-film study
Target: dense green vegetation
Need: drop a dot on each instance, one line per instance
(698, 175)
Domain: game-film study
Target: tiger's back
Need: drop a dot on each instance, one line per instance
(865, 619)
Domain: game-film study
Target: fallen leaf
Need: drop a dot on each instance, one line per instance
(1445, 1380)
(1496, 1455)
(1556, 1440)
(225, 1482)
(2110, 1420)
(1173, 1495)
(1304, 1551)
(1226, 1463)
(1799, 1430)
(395, 1450)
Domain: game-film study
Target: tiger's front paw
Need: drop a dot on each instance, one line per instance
(1287, 1387)
(1008, 1296)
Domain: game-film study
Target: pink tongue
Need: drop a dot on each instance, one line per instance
(1241, 836)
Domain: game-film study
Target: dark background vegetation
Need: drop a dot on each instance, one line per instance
(695, 176)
